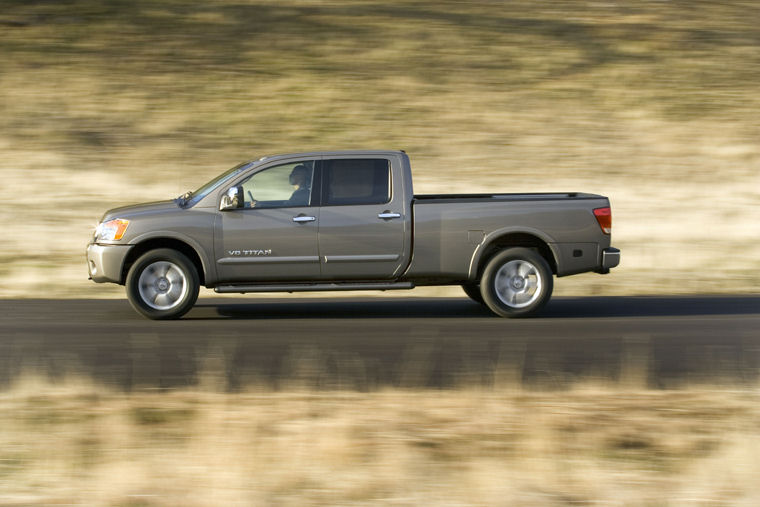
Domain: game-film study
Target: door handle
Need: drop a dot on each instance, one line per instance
(303, 218)
(387, 215)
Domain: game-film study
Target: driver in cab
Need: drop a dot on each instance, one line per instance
(299, 178)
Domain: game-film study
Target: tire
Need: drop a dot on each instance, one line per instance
(473, 292)
(517, 282)
(162, 284)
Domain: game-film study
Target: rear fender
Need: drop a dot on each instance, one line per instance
(510, 237)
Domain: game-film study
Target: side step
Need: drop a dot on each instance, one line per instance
(306, 287)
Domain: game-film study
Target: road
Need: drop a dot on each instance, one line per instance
(367, 344)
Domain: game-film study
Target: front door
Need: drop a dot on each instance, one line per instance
(273, 237)
(363, 223)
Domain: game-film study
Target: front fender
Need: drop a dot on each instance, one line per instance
(209, 267)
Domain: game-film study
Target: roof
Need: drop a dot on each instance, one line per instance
(329, 153)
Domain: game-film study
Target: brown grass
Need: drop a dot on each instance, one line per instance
(653, 104)
(80, 444)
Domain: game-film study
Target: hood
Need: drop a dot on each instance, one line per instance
(139, 209)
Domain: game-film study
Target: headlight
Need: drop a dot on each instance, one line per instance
(112, 230)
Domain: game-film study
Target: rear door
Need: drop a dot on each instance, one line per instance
(364, 223)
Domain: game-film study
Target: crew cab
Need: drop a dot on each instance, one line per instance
(347, 220)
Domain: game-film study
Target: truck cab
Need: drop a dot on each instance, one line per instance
(350, 220)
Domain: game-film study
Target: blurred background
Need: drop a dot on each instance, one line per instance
(652, 103)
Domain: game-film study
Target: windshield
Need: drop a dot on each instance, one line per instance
(211, 185)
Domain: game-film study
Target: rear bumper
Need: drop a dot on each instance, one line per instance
(104, 262)
(610, 259)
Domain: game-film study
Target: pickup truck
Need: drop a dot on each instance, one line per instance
(347, 220)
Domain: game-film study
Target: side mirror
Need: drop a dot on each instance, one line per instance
(233, 199)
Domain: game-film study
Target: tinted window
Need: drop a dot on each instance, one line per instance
(356, 181)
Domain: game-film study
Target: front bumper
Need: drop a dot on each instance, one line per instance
(104, 262)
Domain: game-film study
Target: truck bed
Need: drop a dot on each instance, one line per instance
(450, 229)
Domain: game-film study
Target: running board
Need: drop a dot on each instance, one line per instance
(305, 287)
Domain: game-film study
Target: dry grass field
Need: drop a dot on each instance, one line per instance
(653, 104)
(78, 444)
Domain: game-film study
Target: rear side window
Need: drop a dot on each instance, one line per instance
(356, 181)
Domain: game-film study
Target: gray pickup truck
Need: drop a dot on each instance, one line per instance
(347, 220)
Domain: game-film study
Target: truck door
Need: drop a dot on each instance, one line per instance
(364, 224)
(274, 236)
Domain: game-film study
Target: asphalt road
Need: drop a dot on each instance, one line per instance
(367, 344)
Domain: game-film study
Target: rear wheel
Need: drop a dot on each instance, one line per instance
(516, 283)
(162, 284)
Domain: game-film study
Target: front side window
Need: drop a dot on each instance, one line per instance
(356, 181)
(286, 185)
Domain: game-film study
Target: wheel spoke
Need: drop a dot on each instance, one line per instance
(175, 293)
(162, 300)
(174, 275)
(148, 290)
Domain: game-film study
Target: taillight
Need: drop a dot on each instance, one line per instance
(604, 217)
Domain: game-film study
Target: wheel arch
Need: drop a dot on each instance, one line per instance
(173, 243)
(501, 240)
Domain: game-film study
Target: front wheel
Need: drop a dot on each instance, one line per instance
(516, 283)
(162, 284)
